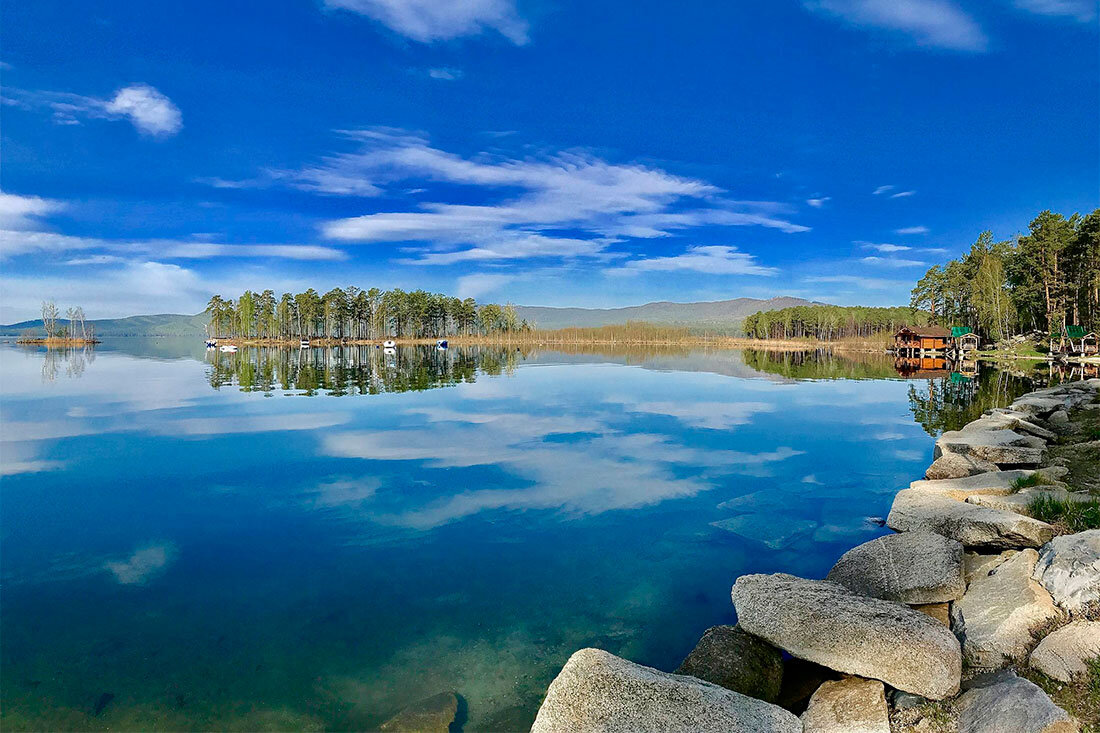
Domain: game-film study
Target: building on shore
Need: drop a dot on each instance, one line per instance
(917, 340)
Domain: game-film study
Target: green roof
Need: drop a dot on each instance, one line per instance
(957, 331)
(1075, 332)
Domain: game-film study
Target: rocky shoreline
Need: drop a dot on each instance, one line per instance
(937, 627)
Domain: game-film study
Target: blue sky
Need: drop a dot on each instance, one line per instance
(546, 152)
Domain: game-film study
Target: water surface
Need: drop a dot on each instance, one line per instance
(285, 539)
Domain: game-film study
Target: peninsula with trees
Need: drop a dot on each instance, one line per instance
(74, 330)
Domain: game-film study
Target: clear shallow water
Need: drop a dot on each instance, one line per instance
(293, 540)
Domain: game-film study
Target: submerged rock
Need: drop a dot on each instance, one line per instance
(738, 661)
(772, 531)
(826, 623)
(431, 715)
(912, 567)
(996, 616)
(1069, 568)
(972, 525)
(1063, 654)
(1003, 702)
(597, 691)
(957, 465)
(850, 705)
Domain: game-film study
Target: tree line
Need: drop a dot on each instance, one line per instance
(1043, 280)
(353, 313)
(829, 322)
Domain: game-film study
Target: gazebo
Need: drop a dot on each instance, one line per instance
(1074, 340)
(965, 339)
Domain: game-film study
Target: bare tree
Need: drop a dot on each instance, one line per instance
(49, 317)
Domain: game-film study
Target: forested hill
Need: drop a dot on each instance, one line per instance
(163, 324)
(720, 315)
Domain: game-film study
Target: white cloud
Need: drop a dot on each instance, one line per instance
(15, 242)
(21, 212)
(884, 247)
(435, 20)
(931, 23)
(480, 283)
(712, 259)
(1083, 11)
(150, 111)
(598, 203)
(818, 203)
(445, 74)
(891, 262)
(866, 283)
(143, 565)
(902, 194)
(912, 230)
(882, 189)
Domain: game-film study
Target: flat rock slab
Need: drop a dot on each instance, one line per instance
(1011, 421)
(996, 616)
(911, 567)
(993, 483)
(731, 658)
(1004, 702)
(974, 526)
(1037, 405)
(957, 465)
(1021, 500)
(1069, 568)
(850, 705)
(977, 566)
(1063, 654)
(597, 691)
(1003, 447)
(826, 623)
(433, 715)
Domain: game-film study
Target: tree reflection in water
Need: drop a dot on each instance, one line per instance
(68, 361)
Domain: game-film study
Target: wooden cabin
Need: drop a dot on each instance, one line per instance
(964, 339)
(918, 339)
(1074, 341)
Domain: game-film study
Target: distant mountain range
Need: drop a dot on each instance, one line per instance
(721, 315)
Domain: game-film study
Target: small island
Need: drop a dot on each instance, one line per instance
(74, 330)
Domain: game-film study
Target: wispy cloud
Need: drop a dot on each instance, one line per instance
(912, 230)
(569, 204)
(929, 23)
(882, 189)
(143, 565)
(817, 203)
(25, 212)
(712, 259)
(437, 20)
(902, 194)
(446, 74)
(885, 247)
(866, 283)
(891, 262)
(480, 283)
(148, 110)
(1083, 11)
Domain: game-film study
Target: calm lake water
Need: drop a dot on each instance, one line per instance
(315, 539)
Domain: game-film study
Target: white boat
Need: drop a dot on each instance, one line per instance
(389, 344)
(389, 351)
(303, 344)
(229, 348)
(441, 344)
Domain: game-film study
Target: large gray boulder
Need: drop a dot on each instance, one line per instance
(1063, 654)
(976, 565)
(911, 567)
(972, 525)
(993, 483)
(850, 705)
(1069, 568)
(1021, 500)
(1037, 405)
(1003, 702)
(1018, 421)
(996, 616)
(731, 658)
(1003, 447)
(826, 623)
(957, 465)
(597, 691)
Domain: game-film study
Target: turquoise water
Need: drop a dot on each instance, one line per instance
(313, 540)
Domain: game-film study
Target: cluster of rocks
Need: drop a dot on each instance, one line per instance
(969, 583)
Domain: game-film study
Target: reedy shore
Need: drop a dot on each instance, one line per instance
(941, 626)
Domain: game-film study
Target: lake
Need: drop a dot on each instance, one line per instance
(314, 539)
